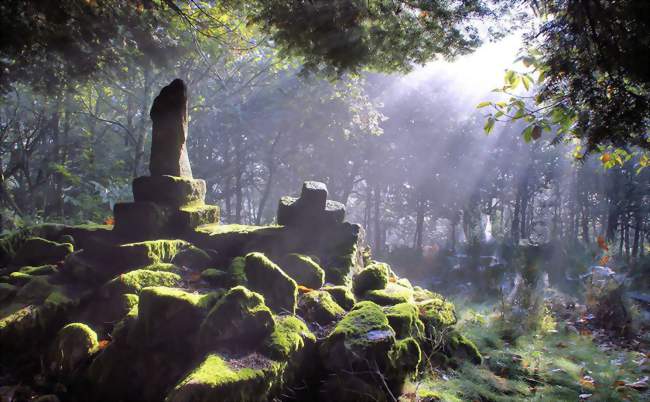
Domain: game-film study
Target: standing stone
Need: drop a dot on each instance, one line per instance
(169, 117)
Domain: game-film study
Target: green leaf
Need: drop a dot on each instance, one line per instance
(527, 133)
(483, 104)
(489, 125)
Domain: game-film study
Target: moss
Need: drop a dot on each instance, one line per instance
(391, 295)
(192, 257)
(19, 278)
(161, 266)
(37, 251)
(320, 307)
(341, 295)
(459, 347)
(304, 270)
(437, 313)
(404, 282)
(167, 316)
(372, 277)
(217, 379)
(10, 243)
(405, 357)
(289, 336)
(7, 291)
(139, 254)
(218, 229)
(240, 319)
(403, 318)
(236, 270)
(216, 277)
(39, 270)
(363, 335)
(73, 346)
(135, 281)
(35, 291)
(279, 290)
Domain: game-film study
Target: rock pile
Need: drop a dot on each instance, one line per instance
(170, 305)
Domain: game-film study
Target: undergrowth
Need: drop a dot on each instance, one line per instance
(550, 364)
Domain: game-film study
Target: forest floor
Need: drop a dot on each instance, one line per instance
(575, 361)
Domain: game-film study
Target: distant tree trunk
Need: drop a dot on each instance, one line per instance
(642, 239)
(637, 229)
(621, 235)
(377, 220)
(141, 131)
(514, 230)
(419, 224)
(227, 185)
(524, 207)
(627, 236)
(270, 164)
(585, 224)
(368, 207)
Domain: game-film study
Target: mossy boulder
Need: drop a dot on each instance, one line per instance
(436, 313)
(279, 290)
(237, 272)
(319, 307)
(216, 277)
(304, 270)
(362, 337)
(373, 277)
(192, 257)
(37, 251)
(391, 295)
(7, 291)
(134, 281)
(19, 278)
(459, 347)
(35, 291)
(136, 255)
(72, 349)
(167, 316)
(289, 337)
(39, 270)
(342, 295)
(219, 379)
(404, 320)
(239, 320)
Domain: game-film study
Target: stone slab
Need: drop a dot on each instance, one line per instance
(169, 190)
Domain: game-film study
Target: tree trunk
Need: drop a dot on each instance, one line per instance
(637, 229)
(142, 129)
(377, 220)
(419, 224)
(515, 221)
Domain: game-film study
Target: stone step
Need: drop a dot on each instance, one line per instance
(169, 190)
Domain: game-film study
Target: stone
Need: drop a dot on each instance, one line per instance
(341, 295)
(311, 209)
(192, 257)
(392, 294)
(372, 277)
(404, 320)
(169, 190)
(279, 290)
(319, 307)
(289, 337)
(38, 251)
(247, 379)
(304, 270)
(168, 141)
(72, 348)
(133, 282)
(239, 321)
(7, 291)
(39, 270)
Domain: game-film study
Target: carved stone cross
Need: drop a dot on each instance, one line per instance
(169, 117)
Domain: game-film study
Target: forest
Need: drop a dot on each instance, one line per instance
(336, 200)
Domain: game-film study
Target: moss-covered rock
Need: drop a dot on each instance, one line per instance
(362, 336)
(192, 257)
(39, 270)
(289, 336)
(136, 255)
(436, 313)
(373, 277)
(304, 270)
(71, 350)
(134, 281)
(405, 357)
(7, 291)
(37, 251)
(19, 278)
(404, 320)
(341, 295)
(279, 290)
(239, 320)
(237, 272)
(35, 291)
(219, 379)
(391, 295)
(459, 347)
(167, 316)
(216, 277)
(319, 307)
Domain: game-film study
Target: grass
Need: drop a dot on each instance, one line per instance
(556, 365)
